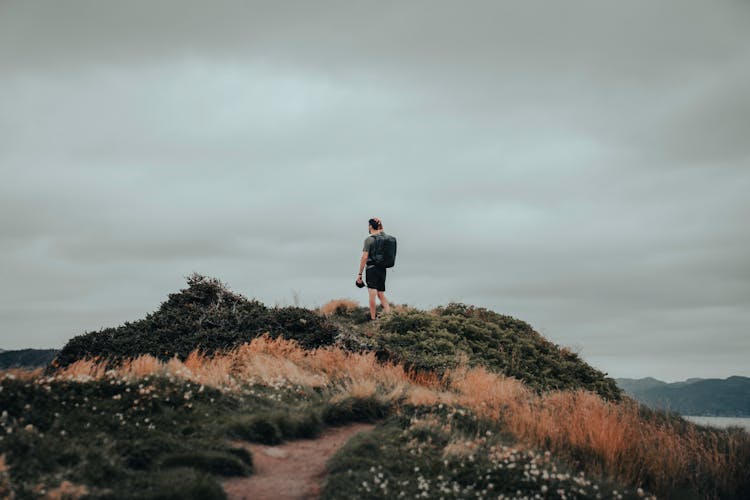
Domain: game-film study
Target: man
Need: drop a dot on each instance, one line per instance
(375, 276)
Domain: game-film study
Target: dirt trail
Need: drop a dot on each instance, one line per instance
(293, 470)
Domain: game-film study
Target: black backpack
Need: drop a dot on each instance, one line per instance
(383, 250)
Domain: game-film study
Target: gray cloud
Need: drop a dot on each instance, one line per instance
(580, 166)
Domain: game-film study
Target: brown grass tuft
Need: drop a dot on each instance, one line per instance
(141, 366)
(21, 373)
(417, 395)
(426, 379)
(85, 369)
(460, 448)
(67, 491)
(338, 306)
(401, 308)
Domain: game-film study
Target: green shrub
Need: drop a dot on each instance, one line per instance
(436, 340)
(428, 454)
(305, 423)
(256, 428)
(243, 455)
(78, 431)
(141, 453)
(273, 427)
(175, 484)
(353, 409)
(208, 461)
(205, 316)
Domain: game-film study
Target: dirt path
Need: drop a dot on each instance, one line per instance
(293, 470)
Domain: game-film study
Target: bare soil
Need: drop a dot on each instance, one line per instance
(292, 470)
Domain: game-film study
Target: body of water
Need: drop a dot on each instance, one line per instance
(720, 422)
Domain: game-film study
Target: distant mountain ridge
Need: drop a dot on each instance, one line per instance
(26, 358)
(728, 397)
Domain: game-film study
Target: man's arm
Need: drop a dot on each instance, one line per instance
(362, 263)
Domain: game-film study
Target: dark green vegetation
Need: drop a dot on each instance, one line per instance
(162, 437)
(26, 358)
(436, 340)
(209, 317)
(447, 452)
(709, 397)
(498, 342)
(204, 316)
(157, 438)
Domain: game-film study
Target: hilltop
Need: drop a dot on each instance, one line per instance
(461, 402)
(209, 317)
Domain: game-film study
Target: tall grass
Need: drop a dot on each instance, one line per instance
(662, 453)
(264, 361)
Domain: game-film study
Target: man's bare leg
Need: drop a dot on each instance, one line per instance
(384, 301)
(372, 293)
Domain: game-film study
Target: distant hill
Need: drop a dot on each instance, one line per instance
(26, 358)
(706, 397)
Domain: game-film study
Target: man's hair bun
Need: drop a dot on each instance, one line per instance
(375, 223)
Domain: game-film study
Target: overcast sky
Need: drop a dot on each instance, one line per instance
(582, 166)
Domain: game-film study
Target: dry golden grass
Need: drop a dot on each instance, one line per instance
(140, 367)
(617, 440)
(66, 491)
(460, 448)
(333, 306)
(360, 388)
(212, 371)
(264, 361)
(417, 395)
(21, 373)
(85, 369)
(426, 379)
(401, 308)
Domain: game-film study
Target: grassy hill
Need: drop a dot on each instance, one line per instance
(468, 404)
(209, 317)
(206, 316)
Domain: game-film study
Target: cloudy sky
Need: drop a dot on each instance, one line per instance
(582, 166)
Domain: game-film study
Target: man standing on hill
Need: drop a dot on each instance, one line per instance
(375, 276)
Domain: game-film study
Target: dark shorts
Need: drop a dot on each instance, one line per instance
(375, 277)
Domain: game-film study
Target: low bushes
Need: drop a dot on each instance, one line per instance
(443, 452)
(121, 439)
(126, 429)
(438, 340)
(213, 462)
(355, 409)
(173, 484)
(205, 316)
